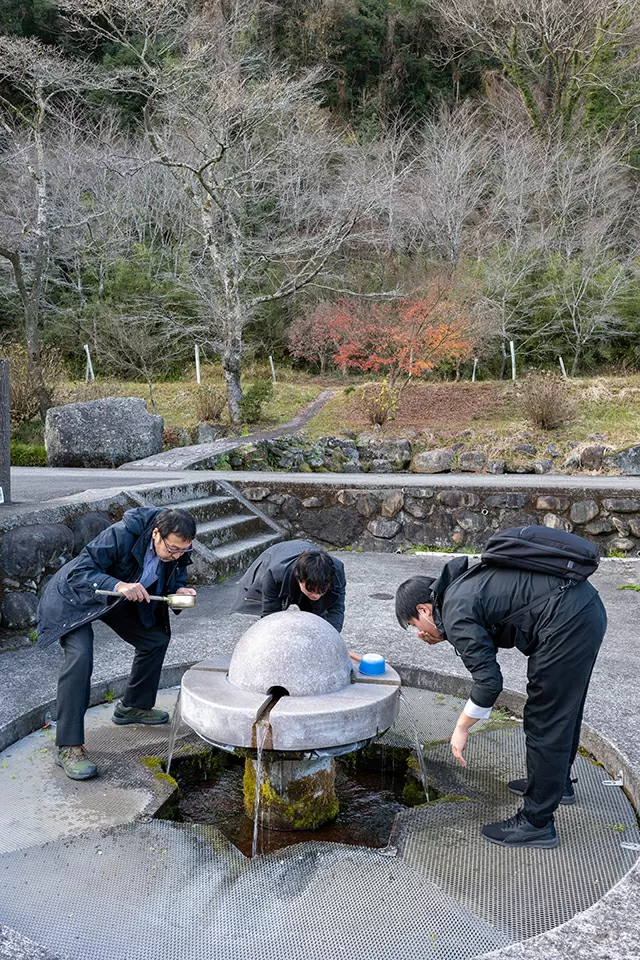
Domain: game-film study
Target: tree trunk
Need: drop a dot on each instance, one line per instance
(231, 371)
(35, 362)
(503, 365)
(458, 366)
(576, 360)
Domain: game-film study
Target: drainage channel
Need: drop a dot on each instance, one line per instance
(89, 873)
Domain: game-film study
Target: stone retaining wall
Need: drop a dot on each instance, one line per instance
(391, 518)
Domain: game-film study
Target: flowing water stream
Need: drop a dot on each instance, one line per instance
(176, 720)
(424, 776)
(262, 731)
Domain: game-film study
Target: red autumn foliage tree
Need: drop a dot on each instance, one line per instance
(311, 335)
(409, 336)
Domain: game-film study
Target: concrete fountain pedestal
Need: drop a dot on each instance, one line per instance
(293, 697)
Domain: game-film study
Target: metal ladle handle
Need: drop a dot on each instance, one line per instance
(116, 593)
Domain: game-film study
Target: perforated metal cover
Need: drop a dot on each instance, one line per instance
(164, 891)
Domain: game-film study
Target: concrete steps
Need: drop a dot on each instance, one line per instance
(231, 531)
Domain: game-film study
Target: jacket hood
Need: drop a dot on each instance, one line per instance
(451, 571)
(139, 519)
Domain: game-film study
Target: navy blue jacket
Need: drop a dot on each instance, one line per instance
(115, 555)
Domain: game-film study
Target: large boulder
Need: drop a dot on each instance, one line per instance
(19, 610)
(101, 433)
(627, 461)
(28, 551)
(87, 527)
(432, 461)
(396, 451)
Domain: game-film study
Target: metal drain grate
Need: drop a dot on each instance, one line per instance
(164, 891)
(161, 890)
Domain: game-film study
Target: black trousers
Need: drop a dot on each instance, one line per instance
(74, 682)
(558, 674)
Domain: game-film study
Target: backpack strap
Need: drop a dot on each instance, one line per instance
(557, 591)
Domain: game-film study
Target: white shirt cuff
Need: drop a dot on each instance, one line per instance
(478, 713)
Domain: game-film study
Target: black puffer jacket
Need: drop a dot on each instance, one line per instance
(470, 606)
(115, 555)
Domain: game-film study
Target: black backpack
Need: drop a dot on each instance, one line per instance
(544, 550)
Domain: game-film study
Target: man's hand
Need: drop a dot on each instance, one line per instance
(186, 592)
(133, 591)
(459, 744)
(355, 656)
(429, 639)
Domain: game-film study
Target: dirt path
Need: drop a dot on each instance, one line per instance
(186, 458)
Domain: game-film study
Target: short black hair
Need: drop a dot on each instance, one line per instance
(175, 520)
(315, 569)
(409, 594)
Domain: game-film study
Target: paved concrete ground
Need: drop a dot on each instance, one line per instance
(609, 931)
(36, 484)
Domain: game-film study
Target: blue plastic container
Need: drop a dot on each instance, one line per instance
(372, 665)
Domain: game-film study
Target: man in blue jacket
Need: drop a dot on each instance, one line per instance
(147, 552)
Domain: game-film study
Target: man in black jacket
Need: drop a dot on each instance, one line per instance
(294, 572)
(559, 625)
(147, 552)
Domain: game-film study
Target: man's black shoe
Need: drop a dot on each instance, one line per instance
(518, 832)
(567, 799)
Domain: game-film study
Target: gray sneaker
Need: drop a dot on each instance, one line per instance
(567, 799)
(76, 763)
(123, 714)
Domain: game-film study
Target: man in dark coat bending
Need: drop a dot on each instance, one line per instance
(560, 631)
(147, 552)
(294, 572)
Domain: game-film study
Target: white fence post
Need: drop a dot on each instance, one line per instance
(564, 372)
(88, 373)
(475, 367)
(273, 369)
(197, 351)
(513, 359)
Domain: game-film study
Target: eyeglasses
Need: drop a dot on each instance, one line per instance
(175, 551)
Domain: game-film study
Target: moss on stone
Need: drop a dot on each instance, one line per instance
(311, 800)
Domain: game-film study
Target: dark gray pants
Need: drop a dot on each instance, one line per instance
(74, 683)
(559, 672)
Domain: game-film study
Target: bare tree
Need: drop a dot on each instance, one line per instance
(43, 83)
(448, 181)
(553, 52)
(274, 191)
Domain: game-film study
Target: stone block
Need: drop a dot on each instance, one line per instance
(556, 504)
(591, 457)
(622, 526)
(470, 522)
(557, 523)
(527, 448)
(101, 433)
(384, 529)
(432, 461)
(351, 466)
(367, 505)
(380, 466)
(256, 493)
(458, 498)
(542, 466)
(29, 551)
(415, 509)
(422, 493)
(471, 462)
(598, 527)
(622, 543)
(584, 510)
(495, 466)
(19, 610)
(339, 526)
(396, 451)
(509, 500)
(621, 505)
(392, 504)
(312, 502)
(87, 527)
(627, 461)
(346, 497)
(207, 433)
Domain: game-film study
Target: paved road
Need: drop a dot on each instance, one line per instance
(37, 484)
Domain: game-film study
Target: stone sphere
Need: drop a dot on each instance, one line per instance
(298, 651)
